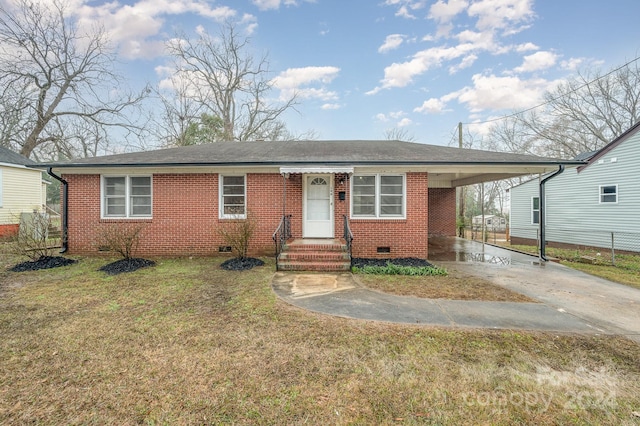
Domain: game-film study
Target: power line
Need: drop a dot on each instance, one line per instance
(557, 97)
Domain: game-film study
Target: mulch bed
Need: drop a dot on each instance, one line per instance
(237, 264)
(44, 262)
(126, 265)
(360, 262)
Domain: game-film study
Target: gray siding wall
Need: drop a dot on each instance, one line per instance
(574, 212)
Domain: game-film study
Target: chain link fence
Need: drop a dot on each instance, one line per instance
(603, 244)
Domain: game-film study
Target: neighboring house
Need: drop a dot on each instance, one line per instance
(21, 190)
(491, 222)
(585, 205)
(393, 194)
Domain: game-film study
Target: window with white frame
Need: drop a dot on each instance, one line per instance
(126, 196)
(233, 197)
(608, 194)
(378, 196)
(0, 188)
(535, 210)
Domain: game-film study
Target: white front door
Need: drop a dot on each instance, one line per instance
(318, 206)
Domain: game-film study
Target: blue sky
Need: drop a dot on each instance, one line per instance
(362, 66)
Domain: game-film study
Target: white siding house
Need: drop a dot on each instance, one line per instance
(21, 190)
(588, 205)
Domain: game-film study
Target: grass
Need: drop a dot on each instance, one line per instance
(625, 271)
(456, 285)
(391, 269)
(185, 342)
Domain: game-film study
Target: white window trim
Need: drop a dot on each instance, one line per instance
(221, 214)
(600, 194)
(534, 210)
(377, 215)
(127, 201)
(1, 188)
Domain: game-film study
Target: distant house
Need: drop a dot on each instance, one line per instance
(491, 222)
(21, 190)
(389, 195)
(588, 205)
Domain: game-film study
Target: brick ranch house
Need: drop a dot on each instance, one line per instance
(392, 194)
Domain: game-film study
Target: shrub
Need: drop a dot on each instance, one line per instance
(237, 233)
(391, 269)
(122, 238)
(32, 240)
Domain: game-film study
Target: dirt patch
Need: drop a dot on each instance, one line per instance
(126, 265)
(456, 285)
(44, 262)
(237, 264)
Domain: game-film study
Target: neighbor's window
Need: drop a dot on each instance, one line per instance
(233, 197)
(378, 196)
(535, 210)
(126, 196)
(608, 194)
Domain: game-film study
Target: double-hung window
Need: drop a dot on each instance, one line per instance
(608, 194)
(535, 210)
(233, 197)
(126, 196)
(378, 196)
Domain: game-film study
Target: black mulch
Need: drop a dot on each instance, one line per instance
(237, 264)
(45, 262)
(126, 265)
(360, 262)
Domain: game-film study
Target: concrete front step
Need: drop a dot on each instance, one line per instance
(315, 255)
(314, 266)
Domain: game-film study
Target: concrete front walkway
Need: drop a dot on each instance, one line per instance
(572, 301)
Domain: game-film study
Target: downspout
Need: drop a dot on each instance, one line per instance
(65, 216)
(543, 241)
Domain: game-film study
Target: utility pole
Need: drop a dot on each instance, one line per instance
(460, 191)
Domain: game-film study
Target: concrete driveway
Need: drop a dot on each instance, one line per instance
(571, 301)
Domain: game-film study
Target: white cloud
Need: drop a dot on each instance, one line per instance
(502, 93)
(431, 106)
(131, 26)
(397, 114)
(466, 62)
(275, 4)
(501, 14)
(331, 106)
(537, 61)
(381, 117)
(572, 64)
(402, 74)
(526, 47)
(293, 81)
(444, 12)
(404, 122)
(391, 42)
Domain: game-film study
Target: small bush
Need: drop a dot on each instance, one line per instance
(32, 238)
(237, 233)
(122, 238)
(391, 269)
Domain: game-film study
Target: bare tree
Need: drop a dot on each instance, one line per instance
(228, 83)
(52, 72)
(399, 134)
(581, 115)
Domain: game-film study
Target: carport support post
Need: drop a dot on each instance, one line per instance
(543, 236)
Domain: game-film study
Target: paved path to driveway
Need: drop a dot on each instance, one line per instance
(571, 301)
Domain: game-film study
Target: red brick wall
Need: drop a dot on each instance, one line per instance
(442, 211)
(405, 237)
(8, 231)
(185, 216)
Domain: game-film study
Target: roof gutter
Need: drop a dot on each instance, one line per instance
(543, 236)
(65, 216)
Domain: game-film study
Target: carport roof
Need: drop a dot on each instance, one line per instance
(462, 165)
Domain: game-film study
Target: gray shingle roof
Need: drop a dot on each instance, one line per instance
(10, 157)
(352, 152)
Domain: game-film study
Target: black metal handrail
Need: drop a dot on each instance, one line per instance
(281, 235)
(348, 235)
